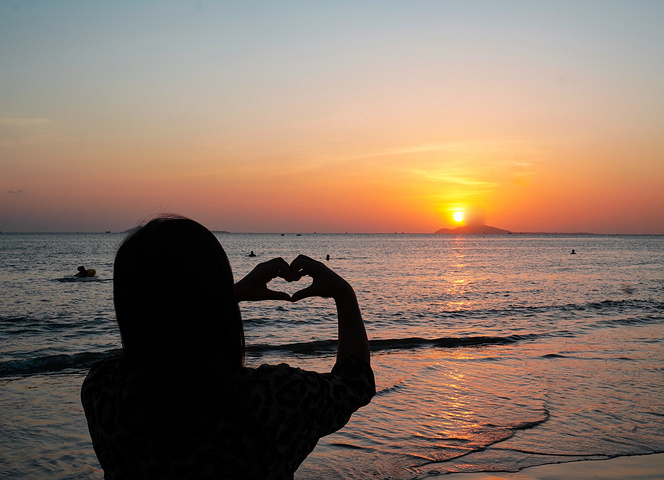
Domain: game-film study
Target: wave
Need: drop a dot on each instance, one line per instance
(55, 363)
(651, 306)
(83, 280)
(322, 346)
(630, 321)
(627, 313)
(610, 313)
(445, 342)
(481, 437)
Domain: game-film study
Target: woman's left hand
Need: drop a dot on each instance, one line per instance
(253, 287)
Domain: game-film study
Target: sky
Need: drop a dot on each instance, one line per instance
(344, 116)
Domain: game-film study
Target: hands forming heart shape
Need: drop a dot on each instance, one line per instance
(326, 283)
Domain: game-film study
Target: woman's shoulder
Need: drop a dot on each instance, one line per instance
(267, 371)
(108, 375)
(104, 368)
(347, 365)
(99, 383)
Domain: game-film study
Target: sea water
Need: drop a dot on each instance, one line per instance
(491, 353)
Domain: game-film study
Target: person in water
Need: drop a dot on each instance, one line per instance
(85, 272)
(178, 402)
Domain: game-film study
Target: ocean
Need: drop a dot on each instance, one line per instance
(491, 353)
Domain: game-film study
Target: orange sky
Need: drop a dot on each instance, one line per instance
(333, 118)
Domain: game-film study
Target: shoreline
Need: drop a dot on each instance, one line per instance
(633, 467)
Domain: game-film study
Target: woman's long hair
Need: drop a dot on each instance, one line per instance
(174, 299)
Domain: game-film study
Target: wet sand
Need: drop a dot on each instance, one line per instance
(641, 467)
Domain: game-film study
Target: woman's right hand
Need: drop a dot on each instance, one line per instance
(352, 336)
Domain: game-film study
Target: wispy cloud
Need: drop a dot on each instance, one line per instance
(12, 192)
(459, 180)
(24, 122)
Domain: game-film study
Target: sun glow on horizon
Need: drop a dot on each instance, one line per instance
(458, 217)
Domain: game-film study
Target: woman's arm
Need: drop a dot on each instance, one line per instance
(353, 340)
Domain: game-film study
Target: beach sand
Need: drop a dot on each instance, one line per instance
(641, 467)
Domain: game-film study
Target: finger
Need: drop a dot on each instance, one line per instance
(310, 291)
(274, 295)
(267, 271)
(303, 265)
(279, 268)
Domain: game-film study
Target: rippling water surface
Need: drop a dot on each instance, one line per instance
(490, 353)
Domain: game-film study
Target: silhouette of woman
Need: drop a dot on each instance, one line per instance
(179, 402)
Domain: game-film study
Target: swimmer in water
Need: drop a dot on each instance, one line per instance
(573, 252)
(252, 254)
(84, 272)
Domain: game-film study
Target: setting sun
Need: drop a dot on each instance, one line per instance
(458, 216)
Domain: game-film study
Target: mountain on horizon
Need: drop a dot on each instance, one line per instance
(474, 229)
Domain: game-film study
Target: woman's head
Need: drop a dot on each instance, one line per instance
(174, 297)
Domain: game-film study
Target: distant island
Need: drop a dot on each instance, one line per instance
(474, 229)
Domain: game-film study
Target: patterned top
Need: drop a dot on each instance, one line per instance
(261, 424)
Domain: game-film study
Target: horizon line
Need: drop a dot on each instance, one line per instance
(345, 233)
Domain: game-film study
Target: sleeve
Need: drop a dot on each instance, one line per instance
(351, 386)
(323, 403)
(98, 406)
